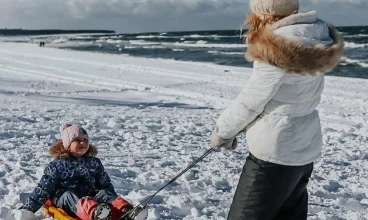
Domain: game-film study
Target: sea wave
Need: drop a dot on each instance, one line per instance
(130, 47)
(59, 40)
(353, 61)
(209, 36)
(154, 36)
(154, 47)
(111, 41)
(209, 45)
(225, 53)
(354, 45)
(356, 36)
(142, 42)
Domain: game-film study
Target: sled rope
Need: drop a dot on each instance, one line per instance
(134, 212)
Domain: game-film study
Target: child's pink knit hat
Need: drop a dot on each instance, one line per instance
(69, 132)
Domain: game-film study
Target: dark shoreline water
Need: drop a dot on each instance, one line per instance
(224, 47)
(18, 32)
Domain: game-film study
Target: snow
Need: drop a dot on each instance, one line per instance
(151, 118)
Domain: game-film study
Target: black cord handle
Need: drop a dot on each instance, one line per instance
(134, 212)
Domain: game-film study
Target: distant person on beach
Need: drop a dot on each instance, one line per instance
(42, 44)
(76, 180)
(291, 52)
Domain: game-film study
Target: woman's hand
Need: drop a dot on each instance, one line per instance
(218, 142)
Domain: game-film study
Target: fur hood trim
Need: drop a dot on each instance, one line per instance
(294, 57)
(59, 152)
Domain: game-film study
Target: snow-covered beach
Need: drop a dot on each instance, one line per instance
(151, 118)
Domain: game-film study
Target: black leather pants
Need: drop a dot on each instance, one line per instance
(268, 191)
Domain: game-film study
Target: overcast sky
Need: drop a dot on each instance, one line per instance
(127, 16)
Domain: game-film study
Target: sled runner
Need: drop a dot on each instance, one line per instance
(56, 213)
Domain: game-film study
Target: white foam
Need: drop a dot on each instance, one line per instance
(354, 45)
(201, 42)
(153, 36)
(225, 53)
(111, 41)
(356, 36)
(60, 40)
(209, 45)
(142, 42)
(84, 37)
(359, 62)
(209, 36)
(154, 47)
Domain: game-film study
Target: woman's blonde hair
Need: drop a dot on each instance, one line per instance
(257, 23)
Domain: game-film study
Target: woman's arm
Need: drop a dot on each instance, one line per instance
(262, 86)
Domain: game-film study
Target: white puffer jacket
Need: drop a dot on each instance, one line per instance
(277, 108)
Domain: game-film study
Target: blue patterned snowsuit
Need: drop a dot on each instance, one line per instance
(83, 175)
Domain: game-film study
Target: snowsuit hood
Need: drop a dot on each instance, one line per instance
(59, 152)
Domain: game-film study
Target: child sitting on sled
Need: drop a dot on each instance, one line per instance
(76, 181)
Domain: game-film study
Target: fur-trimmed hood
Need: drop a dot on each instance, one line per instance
(59, 152)
(292, 55)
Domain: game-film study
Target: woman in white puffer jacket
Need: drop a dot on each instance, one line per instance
(277, 109)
